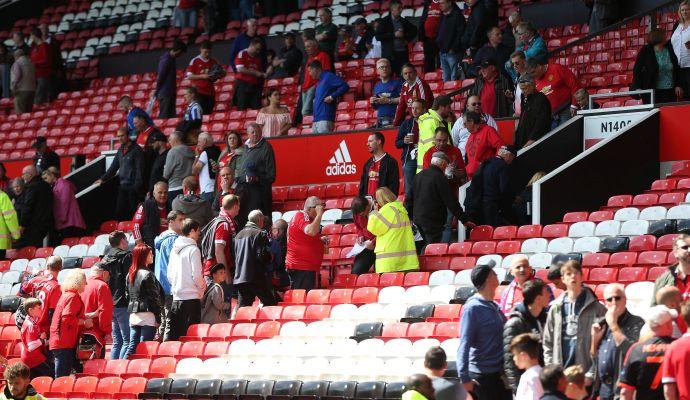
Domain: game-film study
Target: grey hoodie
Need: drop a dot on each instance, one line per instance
(178, 165)
(193, 207)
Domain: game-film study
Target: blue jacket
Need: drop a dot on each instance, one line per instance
(481, 338)
(163, 244)
(328, 85)
(536, 48)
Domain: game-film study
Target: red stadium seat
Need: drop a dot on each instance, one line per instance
(666, 242)
(246, 313)
(446, 330)
(632, 274)
(114, 368)
(655, 272)
(195, 332)
(219, 332)
(462, 263)
(623, 259)
(463, 248)
(215, 349)
(421, 330)
(161, 367)
(481, 248)
(145, 350)
(572, 217)
(642, 243)
(191, 349)
(267, 329)
(170, 348)
(107, 387)
(294, 296)
(42, 383)
(43, 252)
(652, 257)
(84, 386)
(317, 296)
(416, 279)
(436, 249)
(331, 229)
(243, 330)
(137, 368)
(620, 201)
(671, 199)
(602, 275)
(391, 279)
(599, 216)
(595, 259)
(367, 280)
(508, 247)
(108, 226)
(395, 330)
(293, 313)
(647, 199)
(482, 232)
(131, 387)
(339, 296)
(663, 185)
(505, 232)
(434, 263)
(269, 313)
(556, 230)
(446, 312)
(317, 312)
(529, 231)
(365, 295)
(60, 387)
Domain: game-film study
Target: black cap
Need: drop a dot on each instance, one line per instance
(40, 140)
(479, 275)
(158, 136)
(216, 267)
(488, 61)
(360, 20)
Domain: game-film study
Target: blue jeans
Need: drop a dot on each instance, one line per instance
(64, 360)
(120, 333)
(448, 228)
(409, 171)
(246, 9)
(139, 334)
(450, 63)
(184, 18)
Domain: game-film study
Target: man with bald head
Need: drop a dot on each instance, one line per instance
(36, 219)
(419, 387)
(611, 340)
(150, 220)
(207, 155)
(521, 272)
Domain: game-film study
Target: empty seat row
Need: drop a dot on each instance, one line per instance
(386, 295)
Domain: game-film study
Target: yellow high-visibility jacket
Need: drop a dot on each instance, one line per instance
(9, 223)
(427, 126)
(395, 249)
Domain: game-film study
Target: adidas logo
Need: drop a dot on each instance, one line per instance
(341, 162)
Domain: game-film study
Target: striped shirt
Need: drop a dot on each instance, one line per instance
(193, 112)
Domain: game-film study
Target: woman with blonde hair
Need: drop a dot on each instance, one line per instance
(395, 249)
(68, 318)
(680, 43)
(69, 221)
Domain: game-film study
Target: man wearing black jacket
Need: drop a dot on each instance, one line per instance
(117, 263)
(408, 135)
(36, 219)
(431, 196)
(395, 32)
(535, 114)
(483, 14)
(45, 157)
(159, 146)
(256, 175)
(449, 39)
(491, 81)
(527, 317)
(381, 170)
(128, 164)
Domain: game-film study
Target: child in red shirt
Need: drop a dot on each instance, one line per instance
(33, 347)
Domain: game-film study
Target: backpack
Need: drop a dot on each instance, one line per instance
(208, 247)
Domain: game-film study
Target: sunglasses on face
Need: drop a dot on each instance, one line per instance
(612, 298)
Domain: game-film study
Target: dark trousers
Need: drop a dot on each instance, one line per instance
(254, 196)
(490, 387)
(400, 58)
(246, 292)
(302, 279)
(685, 82)
(409, 171)
(430, 55)
(164, 329)
(431, 234)
(207, 103)
(126, 204)
(64, 361)
(42, 369)
(246, 96)
(363, 262)
(32, 236)
(166, 107)
(171, 196)
(183, 313)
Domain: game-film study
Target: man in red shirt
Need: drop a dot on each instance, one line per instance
(428, 30)
(34, 349)
(46, 288)
(249, 78)
(309, 83)
(676, 367)
(558, 84)
(224, 229)
(493, 89)
(40, 57)
(381, 170)
(199, 72)
(305, 246)
(454, 155)
(151, 217)
(98, 305)
(412, 89)
(482, 144)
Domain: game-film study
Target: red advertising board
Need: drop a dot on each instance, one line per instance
(325, 158)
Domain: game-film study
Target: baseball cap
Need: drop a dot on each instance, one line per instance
(659, 315)
(487, 61)
(40, 140)
(360, 21)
